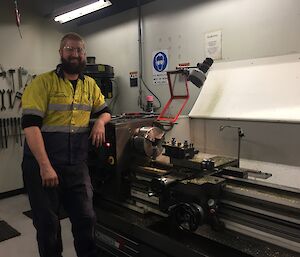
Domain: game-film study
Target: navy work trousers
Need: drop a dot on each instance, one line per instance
(75, 194)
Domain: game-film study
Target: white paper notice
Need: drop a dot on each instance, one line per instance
(160, 65)
(213, 45)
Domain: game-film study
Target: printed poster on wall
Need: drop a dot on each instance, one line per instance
(160, 65)
(213, 45)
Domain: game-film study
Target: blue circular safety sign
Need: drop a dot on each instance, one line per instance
(160, 61)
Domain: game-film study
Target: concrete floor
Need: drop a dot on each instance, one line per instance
(11, 210)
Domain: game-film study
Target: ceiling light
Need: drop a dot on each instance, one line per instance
(81, 11)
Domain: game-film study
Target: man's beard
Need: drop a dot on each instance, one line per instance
(72, 68)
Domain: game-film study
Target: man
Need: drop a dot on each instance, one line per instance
(56, 111)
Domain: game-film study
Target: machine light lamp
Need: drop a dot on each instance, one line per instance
(81, 11)
(178, 85)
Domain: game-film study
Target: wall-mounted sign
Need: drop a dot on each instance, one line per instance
(133, 75)
(160, 64)
(213, 45)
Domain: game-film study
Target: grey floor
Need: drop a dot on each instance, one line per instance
(11, 210)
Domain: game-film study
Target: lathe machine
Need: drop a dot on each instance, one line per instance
(158, 198)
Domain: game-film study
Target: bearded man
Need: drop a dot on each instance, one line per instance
(57, 106)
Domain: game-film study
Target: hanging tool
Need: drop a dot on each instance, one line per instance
(5, 132)
(21, 72)
(16, 130)
(20, 77)
(2, 92)
(8, 127)
(18, 17)
(13, 128)
(20, 130)
(11, 72)
(1, 135)
(30, 77)
(9, 92)
(3, 72)
(18, 96)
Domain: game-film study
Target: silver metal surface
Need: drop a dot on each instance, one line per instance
(262, 212)
(148, 140)
(144, 196)
(267, 237)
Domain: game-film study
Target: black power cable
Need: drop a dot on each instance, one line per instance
(141, 79)
(159, 102)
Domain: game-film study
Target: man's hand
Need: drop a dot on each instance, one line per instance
(98, 133)
(35, 142)
(49, 176)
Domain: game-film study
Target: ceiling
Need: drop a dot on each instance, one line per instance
(47, 8)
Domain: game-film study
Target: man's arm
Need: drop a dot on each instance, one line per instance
(36, 144)
(98, 131)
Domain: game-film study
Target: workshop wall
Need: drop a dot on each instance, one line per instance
(250, 29)
(114, 41)
(36, 52)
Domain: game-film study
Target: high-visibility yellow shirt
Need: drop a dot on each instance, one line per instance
(65, 113)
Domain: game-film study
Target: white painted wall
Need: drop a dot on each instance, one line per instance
(181, 130)
(37, 52)
(250, 28)
(114, 41)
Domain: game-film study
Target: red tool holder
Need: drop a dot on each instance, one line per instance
(179, 92)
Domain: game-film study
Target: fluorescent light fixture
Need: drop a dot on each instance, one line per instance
(84, 10)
